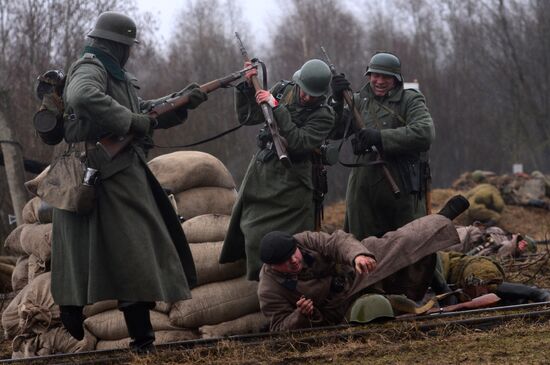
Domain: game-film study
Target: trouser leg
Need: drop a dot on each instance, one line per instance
(520, 293)
(138, 321)
(73, 320)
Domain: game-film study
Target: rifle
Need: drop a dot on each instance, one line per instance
(112, 145)
(278, 140)
(360, 123)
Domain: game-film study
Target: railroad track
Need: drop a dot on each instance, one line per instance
(481, 319)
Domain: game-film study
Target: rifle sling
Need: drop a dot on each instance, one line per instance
(233, 129)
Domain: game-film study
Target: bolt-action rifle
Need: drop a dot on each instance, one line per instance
(360, 123)
(278, 141)
(112, 145)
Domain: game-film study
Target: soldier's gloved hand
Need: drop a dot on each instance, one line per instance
(141, 124)
(248, 75)
(264, 96)
(196, 96)
(365, 138)
(338, 84)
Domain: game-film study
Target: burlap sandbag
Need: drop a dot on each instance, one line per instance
(36, 239)
(32, 310)
(206, 228)
(105, 305)
(110, 325)
(32, 185)
(36, 266)
(250, 323)
(204, 200)
(30, 209)
(20, 275)
(215, 303)
(160, 337)
(54, 341)
(209, 270)
(12, 244)
(179, 171)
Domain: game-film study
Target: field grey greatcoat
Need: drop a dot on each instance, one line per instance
(271, 196)
(407, 130)
(131, 246)
(328, 276)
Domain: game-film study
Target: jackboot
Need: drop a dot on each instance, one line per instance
(73, 320)
(138, 321)
(454, 207)
(513, 293)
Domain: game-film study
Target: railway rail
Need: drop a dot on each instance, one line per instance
(481, 319)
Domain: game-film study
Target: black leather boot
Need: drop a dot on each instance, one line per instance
(138, 321)
(519, 293)
(454, 207)
(73, 320)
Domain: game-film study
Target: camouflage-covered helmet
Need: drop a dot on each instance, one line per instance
(385, 63)
(115, 27)
(313, 77)
(370, 307)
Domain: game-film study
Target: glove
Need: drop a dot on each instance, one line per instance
(364, 139)
(141, 124)
(196, 96)
(249, 74)
(264, 96)
(338, 84)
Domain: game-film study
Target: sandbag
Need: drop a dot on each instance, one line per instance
(32, 185)
(54, 341)
(32, 310)
(250, 323)
(12, 244)
(20, 275)
(209, 270)
(110, 325)
(36, 239)
(205, 200)
(206, 228)
(36, 266)
(160, 337)
(215, 303)
(11, 260)
(30, 209)
(105, 305)
(182, 170)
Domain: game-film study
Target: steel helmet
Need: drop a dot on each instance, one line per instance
(385, 63)
(313, 77)
(115, 27)
(370, 307)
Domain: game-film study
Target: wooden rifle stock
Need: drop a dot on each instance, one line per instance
(112, 145)
(278, 141)
(359, 123)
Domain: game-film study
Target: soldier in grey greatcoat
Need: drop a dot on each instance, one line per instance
(131, 246)
(312, 278)
(399, 126)
(272, 196)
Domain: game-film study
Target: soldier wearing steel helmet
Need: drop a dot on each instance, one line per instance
(273, 196)
(130, 247)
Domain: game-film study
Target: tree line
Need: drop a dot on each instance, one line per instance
(483, 66)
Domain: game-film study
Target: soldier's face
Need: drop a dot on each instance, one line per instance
(306, 99)
(381, 84)
(291, 266)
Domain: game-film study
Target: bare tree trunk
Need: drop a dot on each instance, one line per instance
(13, 161)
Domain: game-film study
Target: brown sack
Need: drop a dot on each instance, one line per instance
(215, 303)
(251, 323)
(20, 275)
(205, 200)
(30, 209)
(55, 341)
(209, 270)
(160, 338)
(37, 310)
(36, 267)
(206, 228)
(183, 170)
(10, 317)
(105, 305)
(32, 185)
(110, 325)
(36, 239)
(13, 242)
